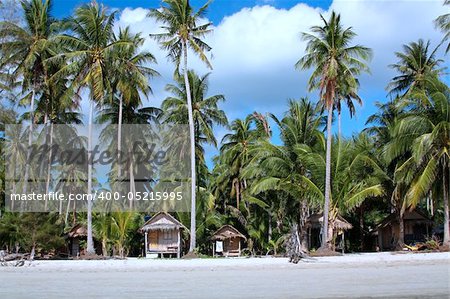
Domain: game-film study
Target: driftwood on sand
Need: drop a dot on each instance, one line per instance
(293, 246)
(13, 259)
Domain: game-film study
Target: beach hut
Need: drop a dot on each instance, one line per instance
(417, 227)
(227, 241)
(162, 236)
(76, 234)
(314, 226)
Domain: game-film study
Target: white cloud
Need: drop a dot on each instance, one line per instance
(256, 48)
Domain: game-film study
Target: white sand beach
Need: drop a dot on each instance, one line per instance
(399, 275)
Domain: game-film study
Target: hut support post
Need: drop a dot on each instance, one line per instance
(380, 240)
(214, 248)
(178, 244)
(239, 242)
(145, 243)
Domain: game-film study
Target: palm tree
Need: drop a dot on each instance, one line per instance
(356, 175)
(347, 94)
(130, 76)
(279, 169)
(417, 68)
(443, 22)
(429, 127)
(335, 62)
(89, 47)
(24, 50)
(206, 114)
(182, 31)
(235, 154)
(131, 112)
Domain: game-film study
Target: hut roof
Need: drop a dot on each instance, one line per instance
(315, 221)
(414, 215)
(227, 232)
(162, 221)
(77, 231)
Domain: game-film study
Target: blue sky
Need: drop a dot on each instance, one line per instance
(257, 42)
(218, 9)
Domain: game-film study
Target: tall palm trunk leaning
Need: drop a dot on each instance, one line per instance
(192, 243)
(182, 32)
(336, 65)
(326, 206)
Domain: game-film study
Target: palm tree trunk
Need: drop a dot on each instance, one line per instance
(192, 138)
(401, 232)
(49, 165)
(339, 126)
(132, 187)
(269, 233)
(361, 226)
(119, 138)
(446, 215)
(90, 240)
(30, 141)
(238, 192)
(326, 208)
(104, 249)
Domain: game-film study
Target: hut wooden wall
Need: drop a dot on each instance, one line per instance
(161, 240)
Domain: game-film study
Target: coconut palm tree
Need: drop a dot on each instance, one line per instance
(443, 23)
(348, 95)
(273, 168)
(206, 115)
(335, 61)
(429, 128)
(235, 155)
(356, 175)
(130, 76)
(88, 48)
(417, 68)
(24, 51)
(182, 31)
(131, 112)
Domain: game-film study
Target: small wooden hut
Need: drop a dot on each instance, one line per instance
(314, 227)
(417, 226)
(77, 233)
(227, 241)
(162, 236)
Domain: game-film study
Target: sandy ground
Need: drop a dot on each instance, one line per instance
(382, 275)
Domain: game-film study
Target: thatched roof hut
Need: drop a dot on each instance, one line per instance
(314, 227)
(417, 226)
(162, 235)
(227, 241)
(162, 221)
(316, 220)
(77, 231)
(227, 232)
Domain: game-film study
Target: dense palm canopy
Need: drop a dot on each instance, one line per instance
(417, 67)
(427, 164)
(87, 49)
(26, 48)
